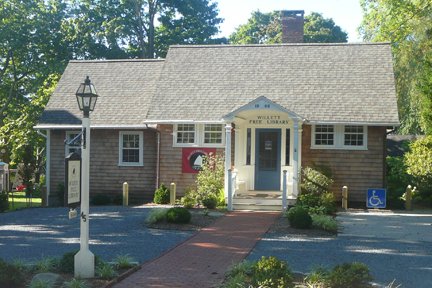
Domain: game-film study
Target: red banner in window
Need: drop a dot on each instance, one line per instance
(192, 158)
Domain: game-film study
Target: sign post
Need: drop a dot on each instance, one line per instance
(376, 198)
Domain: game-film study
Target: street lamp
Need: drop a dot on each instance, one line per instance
(84, 260)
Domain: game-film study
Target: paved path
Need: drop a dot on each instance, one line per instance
(203, 260)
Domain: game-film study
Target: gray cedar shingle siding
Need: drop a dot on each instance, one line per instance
(126, 88)
(342, 83)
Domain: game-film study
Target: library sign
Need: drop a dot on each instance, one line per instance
(268, 120)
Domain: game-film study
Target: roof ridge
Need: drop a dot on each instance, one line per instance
(116, 60)
(277, 45)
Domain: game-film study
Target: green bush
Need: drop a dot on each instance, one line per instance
(210, 179)
(66, 264)
(60, 193)
(178, 215)
(210, 202)
(124, 261)
(100, 200)
(189, 199)
(75, 283)
(4, 202)
(105, 271)
(272, 272)
(299, 217)
(417, 162)
(349, 275)
(316, 181)
(397, 181)
(324, 222)
(10, 276)
(156, 215)
(162, 195)
(117, 199)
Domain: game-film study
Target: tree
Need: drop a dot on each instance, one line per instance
(407, 24)
(266, 28)
(140, 28)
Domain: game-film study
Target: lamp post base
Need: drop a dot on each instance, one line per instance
(84, 264)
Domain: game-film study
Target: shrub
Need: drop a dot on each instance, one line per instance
(46, 264)
(66, 264)
(210, 202)
(299, 217)
(75, 283)
(349, 275)
(272, 272)
(210, 179)
(324, 222)
(10, 276)
(189, 199)
(162, 195)
(178, 215)
(328, 202)
(105, 271)
(156, 215)
(4, 202)
(60, 193)
(316, 181)
(397, 181)
(124, 262)
(100, 200)
(117, 199)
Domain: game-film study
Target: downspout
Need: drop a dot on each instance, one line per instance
(48, 163)
(157, 154)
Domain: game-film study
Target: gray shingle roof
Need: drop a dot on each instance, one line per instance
(335, 83)
(321, 82)
(125, 87)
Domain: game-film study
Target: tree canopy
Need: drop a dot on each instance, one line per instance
(38, 38)
(407, 24)
(266, 28)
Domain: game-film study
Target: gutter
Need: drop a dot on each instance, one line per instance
(48, 163)
(157, 155)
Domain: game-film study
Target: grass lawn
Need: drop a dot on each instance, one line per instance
(17, 200)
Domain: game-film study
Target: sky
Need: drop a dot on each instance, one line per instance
(345, 13)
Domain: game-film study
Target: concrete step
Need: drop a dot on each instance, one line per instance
(255, 207)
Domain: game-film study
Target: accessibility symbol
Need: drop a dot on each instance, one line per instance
(376, 198)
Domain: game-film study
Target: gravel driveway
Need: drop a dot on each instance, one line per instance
(30, 234)
(393, 245)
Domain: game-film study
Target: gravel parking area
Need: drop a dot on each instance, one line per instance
(31, 234)
(393, 245)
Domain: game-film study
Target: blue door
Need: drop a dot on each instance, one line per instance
(267, 159)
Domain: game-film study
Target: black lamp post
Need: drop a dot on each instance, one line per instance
(84, 260)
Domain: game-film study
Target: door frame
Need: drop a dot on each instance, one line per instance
(277, 173)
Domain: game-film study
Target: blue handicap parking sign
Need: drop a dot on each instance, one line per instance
(376, 198)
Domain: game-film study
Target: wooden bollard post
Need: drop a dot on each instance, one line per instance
(408, 198)
(172, 193)
(345, 197)
(125, 194)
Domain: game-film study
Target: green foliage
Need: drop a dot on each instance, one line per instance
(349, 275)
(267, 272)
(117, 200)
(105, 271)
(178, 215)
(407, 25)
(124, 262)
(189, 199)
(156, 215)
(100, 200)
(75, 283)
(210, 202)
(41, 284)
(60, 193)
(315, 181)
(266, 28)
(317, 278)
(162, 195)
(45, 264)
(210, 179)
(4, 202)
(397, 181)
(325, 222)
(66, 263)
(299, 217)
(10, 276)
(418, 163)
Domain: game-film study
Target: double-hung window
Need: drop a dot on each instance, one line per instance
(202, 135)
(131, 148)
(185, 134)
(350, 137)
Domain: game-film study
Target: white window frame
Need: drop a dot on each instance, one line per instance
(176, 135)
(339, 139)
(68, 138)
(141, 148)
(199, 137)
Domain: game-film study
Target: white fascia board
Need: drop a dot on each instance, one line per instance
(185, 121)
(49, 127)
(360, 123)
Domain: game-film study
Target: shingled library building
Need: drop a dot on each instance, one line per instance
(266, 108)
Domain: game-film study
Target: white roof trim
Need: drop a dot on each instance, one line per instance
(53, 126)
(185, 121)
(353, 123)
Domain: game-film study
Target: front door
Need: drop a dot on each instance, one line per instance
(267, 159)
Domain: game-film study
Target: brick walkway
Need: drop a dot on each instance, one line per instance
(203, 260)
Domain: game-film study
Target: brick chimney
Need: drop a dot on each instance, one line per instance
(292, 26)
